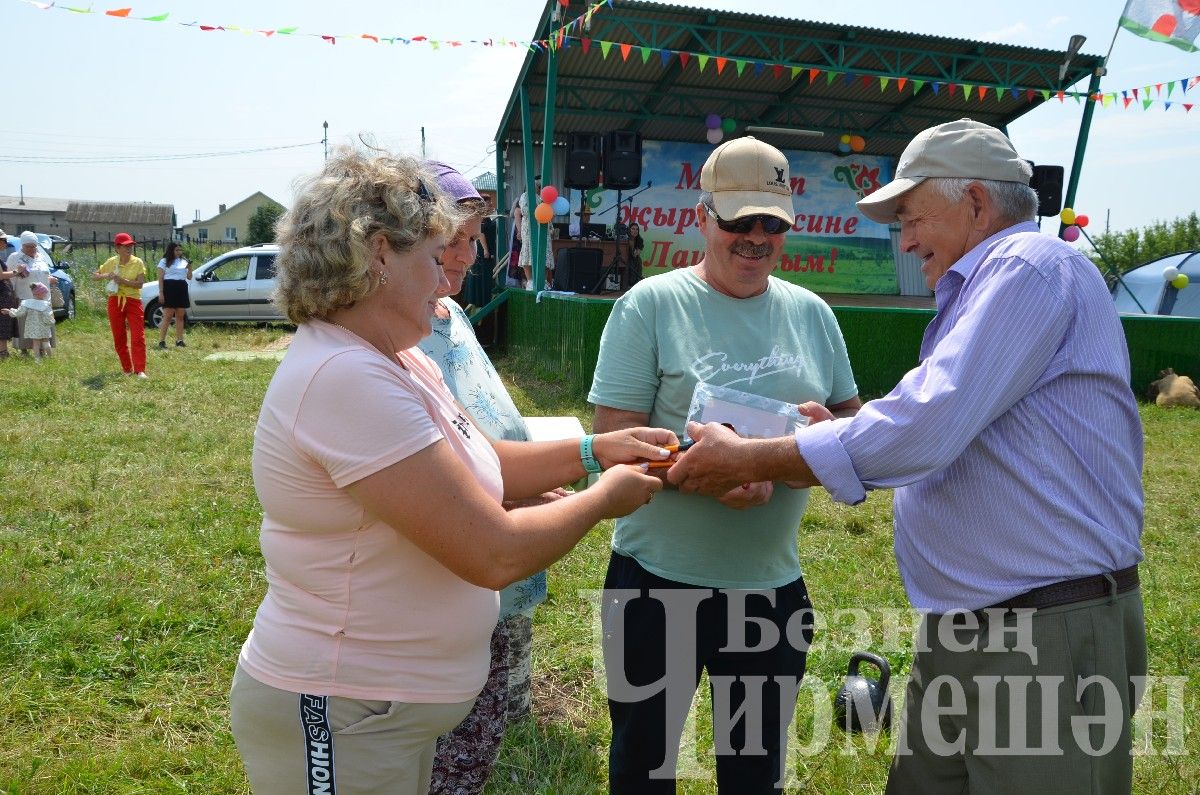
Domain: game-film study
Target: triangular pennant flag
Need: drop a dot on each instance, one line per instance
(88, 11)
(286, 31)
(645, 53)
(866, 81)
(207, 27)
(721, 61)
(982, 93)
(1187, 107)
(758, 68)
(1166, 105)
(812, 75)
(1146, 103)
(953, 88)
(883, 81)
(900, 83)
(829, 77)
(118, 12)
(1146, 90)
(330, 39)
(918, 85)
(741, 66)
(1076, 95)
(369, 37)
(967, 88)
(1158, 87)
(1061, 95)
(795, 70)
(1135, 93)
(1105, 99)
(777, 70)
(586, 44)
(158, 18)
(1029, 94)
(1127, 100)
(684, 57)
(664, 56)
(435, 44)
(605, 46)
(1183, 85)
(625, 49)
(936, 88)
(1170, 87)
(702, 61)
(848, 79)
(270, 33)
(1015, 93)
(1000, 93)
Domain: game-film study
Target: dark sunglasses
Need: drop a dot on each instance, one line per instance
(772, 225)
(423, 192)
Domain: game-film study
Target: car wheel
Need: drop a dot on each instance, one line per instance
(154, 314)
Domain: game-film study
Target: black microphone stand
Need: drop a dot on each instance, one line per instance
(620, 232)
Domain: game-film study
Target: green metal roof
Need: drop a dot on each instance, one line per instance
(775, 72)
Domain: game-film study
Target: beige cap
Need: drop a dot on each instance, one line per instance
(963, 149)
(748, 177)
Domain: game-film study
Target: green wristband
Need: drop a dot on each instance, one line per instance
(590, 463)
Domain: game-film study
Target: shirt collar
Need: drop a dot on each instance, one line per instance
(948, 285)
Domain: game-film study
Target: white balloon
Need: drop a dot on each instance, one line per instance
(1169, 273)
(715, 136)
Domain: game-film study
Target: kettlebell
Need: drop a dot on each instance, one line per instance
(864, 704)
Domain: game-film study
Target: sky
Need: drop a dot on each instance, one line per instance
(91, 88)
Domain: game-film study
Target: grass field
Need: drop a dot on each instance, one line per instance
(130, 572)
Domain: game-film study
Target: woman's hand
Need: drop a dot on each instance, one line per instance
(624, 489)
(816, 412)
(632, 445)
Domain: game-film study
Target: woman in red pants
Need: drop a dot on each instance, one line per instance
(125, 275)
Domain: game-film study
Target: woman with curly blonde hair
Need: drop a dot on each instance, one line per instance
(383, 530)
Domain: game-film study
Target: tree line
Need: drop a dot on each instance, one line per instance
(1124, 251)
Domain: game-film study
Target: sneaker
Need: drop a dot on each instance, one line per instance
(180, 344)
(142, 375)
(162, 346)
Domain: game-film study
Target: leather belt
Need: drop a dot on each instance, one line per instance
(1071, 591)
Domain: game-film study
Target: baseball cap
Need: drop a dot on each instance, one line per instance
(453, 183)
(123, 239)
(965, 149)
(748, 177)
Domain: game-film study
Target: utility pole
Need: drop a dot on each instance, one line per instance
(325, 140)
(422, 143)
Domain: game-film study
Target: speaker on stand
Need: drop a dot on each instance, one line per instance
(622, 159)
(583, 161)
(1047, 182)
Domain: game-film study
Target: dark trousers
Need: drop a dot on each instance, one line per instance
(639, 649)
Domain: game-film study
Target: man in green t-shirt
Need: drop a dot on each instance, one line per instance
(727, 563)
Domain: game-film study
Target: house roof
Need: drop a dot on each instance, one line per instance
(257, 197)
(825, 78)
(33, 204)
(87, 212)
(485, 181)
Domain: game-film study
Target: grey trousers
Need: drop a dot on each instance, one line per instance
(1040, 703)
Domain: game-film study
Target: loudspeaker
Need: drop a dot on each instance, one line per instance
(1047, 182)
(622, 159)
(577, 270)
(583, 161)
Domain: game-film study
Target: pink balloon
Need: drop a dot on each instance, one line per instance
(1070, 234)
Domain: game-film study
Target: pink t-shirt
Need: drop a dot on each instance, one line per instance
(353, 608)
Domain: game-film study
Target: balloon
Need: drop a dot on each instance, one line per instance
(845, 139)
(1071, 234)
(844, 148)
(1180, 281)
(728, 125)
(561, 205)
(549, 194)
(712, 121)
(543, 213)
(1170, 273)
(715, 135)
(857, 143)
(1081, 221)
(1067, 216)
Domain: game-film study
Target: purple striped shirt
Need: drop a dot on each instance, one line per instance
(1015, 446)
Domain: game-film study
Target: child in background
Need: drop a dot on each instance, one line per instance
(39, 319)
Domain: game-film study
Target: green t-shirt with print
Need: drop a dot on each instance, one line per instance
(665, 335)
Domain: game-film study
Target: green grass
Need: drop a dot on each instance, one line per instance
(130, 572)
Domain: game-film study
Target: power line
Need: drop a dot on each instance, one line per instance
(98, 160)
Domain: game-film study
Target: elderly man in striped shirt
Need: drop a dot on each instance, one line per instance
(1015, 450)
